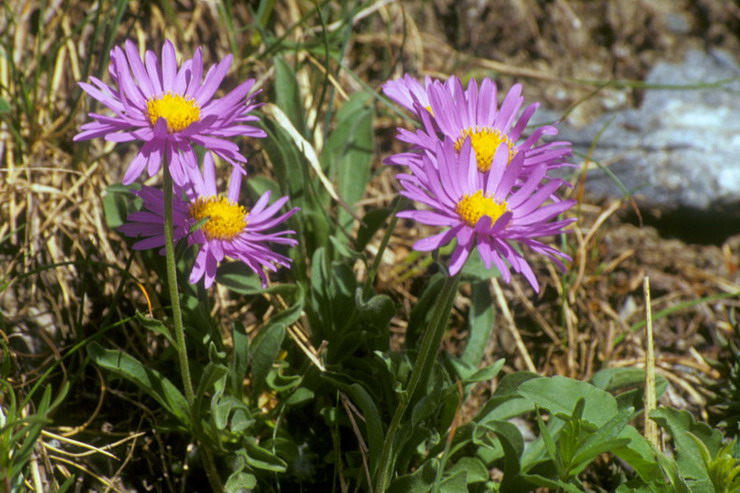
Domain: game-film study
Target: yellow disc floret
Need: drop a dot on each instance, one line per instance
(178, 111)
(485, 142)
(226, 219)
(473, 207)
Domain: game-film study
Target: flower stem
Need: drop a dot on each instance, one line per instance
(182, 351)
(419, 375)
(169, 244)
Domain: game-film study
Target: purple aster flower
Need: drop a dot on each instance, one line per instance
(171, 110)
(409, 93)
(231, 231)
(488, 211)
(446, 110)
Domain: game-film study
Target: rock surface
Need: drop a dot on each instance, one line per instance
(681, 149)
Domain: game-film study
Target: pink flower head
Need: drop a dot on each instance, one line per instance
(170, 110)
(446, 110)
(231, 230)
(490, 211)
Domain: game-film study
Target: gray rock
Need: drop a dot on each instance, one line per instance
(681, 149)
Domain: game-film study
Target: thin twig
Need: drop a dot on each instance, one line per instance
(511, 325)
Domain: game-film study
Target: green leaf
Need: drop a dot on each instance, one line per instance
(4, 106)
(485, 374)
(349, 151)
(454, 482)
(506, 402)
(420, 481)
(225, 407)
(549, 441)
(155, 326)
(258, 185)
(559, 395)
(475, 470)
(371, 416)
(639, 454)
(552, 484)
(299, 397)
(266, 345)
(377, 311)
(481, 319)
(422, 311)
(627, 385)
(239, 482)
(147, 379)
(288, 94)
(260, 458)
(371, 223)
(116, 203)
(239, 278)
(603, 440)
(475, 270)
(265, 349)
(680, 424)
(511, 441)
(211, 374)
(239, 357)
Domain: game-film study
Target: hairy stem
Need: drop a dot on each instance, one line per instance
(209, 463)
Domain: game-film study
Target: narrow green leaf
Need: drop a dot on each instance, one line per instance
(211, 374)
(481, 319)
(265, 348)
(485, 374)
(349, 151)
(239, 357)
(288, 94)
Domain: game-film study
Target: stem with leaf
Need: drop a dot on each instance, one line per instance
(419, 376)
(181, 346)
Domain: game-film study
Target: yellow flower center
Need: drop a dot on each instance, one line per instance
(485, 142)
(178, 111)
(473, 207)
(226, 219)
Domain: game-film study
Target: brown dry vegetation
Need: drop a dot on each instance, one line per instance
(51, 212)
